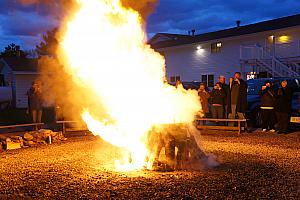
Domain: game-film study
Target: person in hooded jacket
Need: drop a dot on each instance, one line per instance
(217, 99)
(267, 107)
(283, 106)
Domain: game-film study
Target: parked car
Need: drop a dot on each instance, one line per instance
(254, 86)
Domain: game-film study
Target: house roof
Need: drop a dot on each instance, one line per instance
(22, 64)
(171, 36)
(269, 25)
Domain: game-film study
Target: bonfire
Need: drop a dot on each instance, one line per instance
(125, 97)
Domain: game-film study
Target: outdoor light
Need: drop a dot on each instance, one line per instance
(199, 47)
(219, 44)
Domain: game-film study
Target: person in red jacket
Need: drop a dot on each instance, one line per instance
(204, 96)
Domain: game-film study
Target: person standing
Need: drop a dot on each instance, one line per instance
(283, 106)
(204, 96)
(238, 97)
(35, 104)
(217, 96)
(267, 106)
(226, 89)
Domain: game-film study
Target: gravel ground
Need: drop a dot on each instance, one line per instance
(253, 166)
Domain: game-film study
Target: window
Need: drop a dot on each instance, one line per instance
(174, 79)
(208, 80)
(204, 79)
(216, 47)
(2, 80)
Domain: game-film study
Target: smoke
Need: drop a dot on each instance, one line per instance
(59, 87)
(58, 9)
(144, 7)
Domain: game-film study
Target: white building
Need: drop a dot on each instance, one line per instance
(18, 73)
(269, 48)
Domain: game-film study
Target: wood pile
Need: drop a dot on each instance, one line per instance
(31, 138)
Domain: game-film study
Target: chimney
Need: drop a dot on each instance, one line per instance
(238, 23)
(193, 32)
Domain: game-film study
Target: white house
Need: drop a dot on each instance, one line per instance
(18, 73)
(268, 48)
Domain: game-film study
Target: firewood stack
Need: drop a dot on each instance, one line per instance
(31, 138)
(174, 147)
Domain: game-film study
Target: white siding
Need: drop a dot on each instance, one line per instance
(23, 83)
(190, 63)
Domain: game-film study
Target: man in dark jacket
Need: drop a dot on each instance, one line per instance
(238, 97)
(217, 98)
(267, 106)
(283, 106)
(226, 89)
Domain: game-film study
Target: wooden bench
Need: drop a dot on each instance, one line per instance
(229, 128)
(64, 129)
(22, 125)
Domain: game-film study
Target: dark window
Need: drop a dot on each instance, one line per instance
(2, 80)
(210, 81)
(177, 78)
(216, 47)
(204, 79)
(172, 79)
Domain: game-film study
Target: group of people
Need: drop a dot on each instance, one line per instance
(227, 100)
(275, 103)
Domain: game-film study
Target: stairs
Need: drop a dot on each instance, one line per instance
(263, 60)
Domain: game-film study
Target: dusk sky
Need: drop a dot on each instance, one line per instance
(24, 25)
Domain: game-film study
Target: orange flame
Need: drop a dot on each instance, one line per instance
(105, 51)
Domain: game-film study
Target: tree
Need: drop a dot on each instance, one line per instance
(49, 44)
(13, 50)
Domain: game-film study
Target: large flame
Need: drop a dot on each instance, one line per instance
(105, 51)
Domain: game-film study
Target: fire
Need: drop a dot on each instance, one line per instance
(105, 51)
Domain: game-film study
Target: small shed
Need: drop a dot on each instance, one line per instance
(18, 73)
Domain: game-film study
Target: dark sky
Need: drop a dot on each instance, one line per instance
(24, 25)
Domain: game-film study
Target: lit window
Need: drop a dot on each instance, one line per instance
(284, 39)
